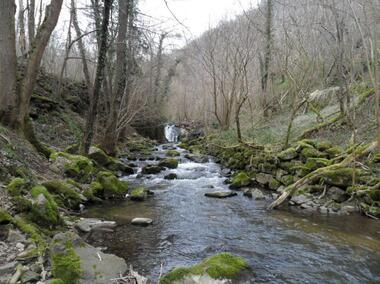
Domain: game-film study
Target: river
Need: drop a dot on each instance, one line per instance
(281, 246)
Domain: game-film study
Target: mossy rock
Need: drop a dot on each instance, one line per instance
(118, 166)
(172, 153)
(319, 144)
(77, 167)
(93, 191)
(334, 152)
(288, 180)
(5, 217)
(171, 176)
(111, 185)
(139, 194)
(44, 209)
(274, 184)
(65, 262)
(316, 163)
(65, 194)
(151, 170)
(313, 153)
(370, 209)
(341, 177)
(219, 267)
(240, 180)
(18, 187)
(288, 154)
(169, 163)
(99, 156)
(72, 149)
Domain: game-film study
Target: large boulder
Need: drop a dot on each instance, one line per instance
(111, 185)
(254, 193)
(74, 261)
(139, 194)
(288, 154)
(65, 194)
(99, 156)
(151, 170)
(221, 268)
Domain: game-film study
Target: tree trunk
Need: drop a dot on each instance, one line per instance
(82, 49)
(31, 23)
(265, 63)
(8, 63)
(110, 138)
(34, 60)
(21, 28)
(91, 117)
(156, 90)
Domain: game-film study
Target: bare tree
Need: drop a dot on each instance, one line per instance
(103, 45)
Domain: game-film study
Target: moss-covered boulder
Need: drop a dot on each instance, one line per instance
(64, 259)
(288, 154)
(341, 177)
(223, 266)
(241, 179)
(5, 217)
(111, 185)
(44, 210)
(99, 156)
(65, 194)
(288, 180)
(169, 163)
(172, 153)
(75, 166)
(139, 194)
(151, 170)
(264, 179)
(171, 176)
(118, 166)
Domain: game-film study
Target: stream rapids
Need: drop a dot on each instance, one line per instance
(280, 246)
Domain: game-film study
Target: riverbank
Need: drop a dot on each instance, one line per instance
(313, 175)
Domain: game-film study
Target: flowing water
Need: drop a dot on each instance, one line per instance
(281, 246)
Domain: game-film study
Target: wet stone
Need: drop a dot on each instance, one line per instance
(220, 194)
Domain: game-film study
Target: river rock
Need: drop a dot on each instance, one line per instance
(337, 194)
(171, 176)
(299, 199)
(254, 193)
(8, 268)
(86, 225)
(220, 194)
(97, 267)
(142, 221)
(349, 209)
(264, 179)
(151, 169)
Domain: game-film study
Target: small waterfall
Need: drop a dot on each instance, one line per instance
(171, 133)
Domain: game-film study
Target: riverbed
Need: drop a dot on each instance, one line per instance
(281, 246)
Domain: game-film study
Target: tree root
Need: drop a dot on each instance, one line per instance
(292, 189)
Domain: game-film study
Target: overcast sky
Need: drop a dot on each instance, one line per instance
(196, 15)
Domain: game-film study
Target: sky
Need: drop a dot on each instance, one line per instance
(196, 15)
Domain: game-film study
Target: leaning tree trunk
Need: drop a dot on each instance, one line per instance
(111, 134)
(31, 72)
(90, 122)
(8, 63)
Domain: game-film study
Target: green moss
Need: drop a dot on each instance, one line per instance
(241, 179)
(56, 281)
(18, 186)
(139, 194)
(5, 217)
(44, 214)
(99, 156)
(66, 265)
(274, 184)
(315, 163)
(288, 180)
(172, 153)
(342, 177)
(78, 167)
(111, 185)
(169, 163)
(95, 188)
(334, 152)
(220, 266)
(64, 193)
(32, 231)
(288, 154)
(313, 153)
